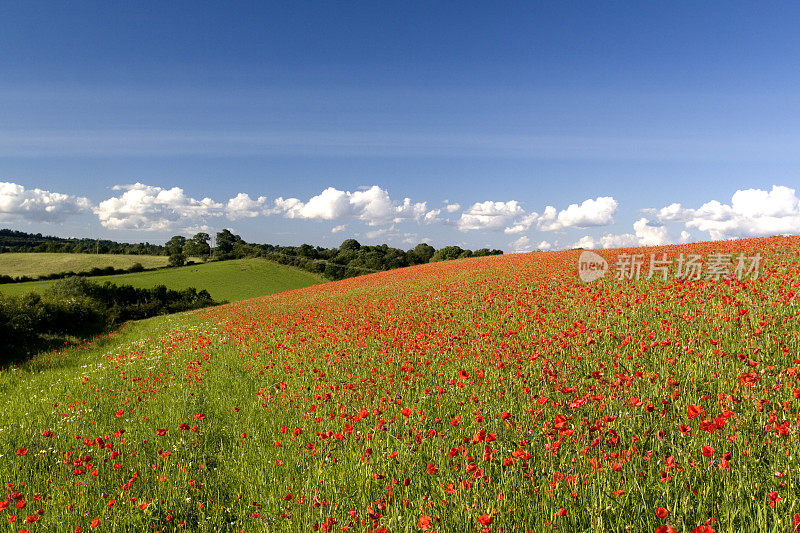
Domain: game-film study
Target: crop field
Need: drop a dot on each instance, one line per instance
(491, 394)
(39, 264)
(232, 280)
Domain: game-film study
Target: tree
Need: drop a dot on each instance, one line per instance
(176, 260)
(175, 245)
(350, 245)
(225, 242)
(423, 253)
(306, 250)
(447, 253)
(198, 246)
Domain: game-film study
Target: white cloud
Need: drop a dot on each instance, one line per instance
(685, 236)
(415, 211)
(289, 207)
(376, 233)
(610, 240)
(242, 206)
(591, 212)
(19, 203)
(585, 242)
(521, 245)
(649, 234)
(452, 208)
(337, 229)
(751, 213)
(330, 204)
(645, 234)
(544, 245)
(432, 216)
(372, 205)
(149, 208)
(597, 212)
(489, 215)
(522, 225)
(670, 212)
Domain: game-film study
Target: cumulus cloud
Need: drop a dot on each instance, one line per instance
(585, 242)
(372, 205)
(432, 216)
(242, 206)
(149, 208)
(489, 215)
(37, 205)
(330, 204)
(452, 208)
(751, 213)
(649, 234)
(521, 245)
(522, 225)
(337, 229)
(591, 212)
(544, 245)
(646, 233)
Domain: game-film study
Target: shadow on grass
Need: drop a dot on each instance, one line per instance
(41, 345)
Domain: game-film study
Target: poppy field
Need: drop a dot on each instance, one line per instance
(491, 394)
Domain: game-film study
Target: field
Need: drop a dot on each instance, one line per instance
(233, 280)
(490, 394)
(39, 264)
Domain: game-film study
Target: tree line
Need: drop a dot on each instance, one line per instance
(350, 259)
(20, 241)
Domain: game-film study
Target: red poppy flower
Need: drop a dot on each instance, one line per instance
(693, 411)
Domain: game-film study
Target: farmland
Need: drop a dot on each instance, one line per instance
(224, 280)
(491, 394)
(38, 264)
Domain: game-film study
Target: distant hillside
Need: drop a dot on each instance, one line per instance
(232, 280)
(42, 264)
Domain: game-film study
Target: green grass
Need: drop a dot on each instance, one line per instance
(39, 264)
(234, 280)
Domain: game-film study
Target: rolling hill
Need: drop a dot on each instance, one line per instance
(39, 264)
(232, 280)
(493, 394)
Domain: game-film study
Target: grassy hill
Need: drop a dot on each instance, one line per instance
(233, 280)
(39, 264)
(490, 394)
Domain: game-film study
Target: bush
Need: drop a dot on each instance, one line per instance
(78, 307)
(176, 260)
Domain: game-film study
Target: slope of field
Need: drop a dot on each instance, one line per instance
(233, 280)
(491, 394)
(39, 264)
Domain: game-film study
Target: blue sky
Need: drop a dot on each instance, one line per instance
(119, 119)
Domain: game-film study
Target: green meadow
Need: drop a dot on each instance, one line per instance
(41, 264)
(231, 281)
